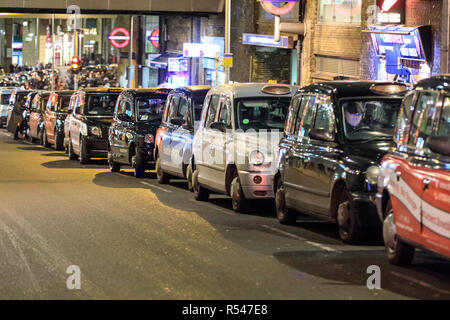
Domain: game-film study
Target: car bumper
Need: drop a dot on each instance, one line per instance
(263, 190)
(364, 205)
(97, 147)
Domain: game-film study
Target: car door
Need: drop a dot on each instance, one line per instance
(409, 179)
(48, 115)
(125, 121)
(298, 172)
(75, 123)
(323, 159)
(168, 162)
(435, 208)
(34, 116)
(206, 160)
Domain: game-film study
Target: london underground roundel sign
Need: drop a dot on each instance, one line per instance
(119, 37)
(269, 6)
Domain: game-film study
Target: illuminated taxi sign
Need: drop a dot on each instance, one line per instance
(389, 88)
(276, 89)
(162, 91)
(114, 90)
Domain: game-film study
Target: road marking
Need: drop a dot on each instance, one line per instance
(422, 283)
(153, 186)
(214, 207)
(314, 244)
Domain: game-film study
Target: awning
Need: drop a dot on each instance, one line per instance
(162, 61)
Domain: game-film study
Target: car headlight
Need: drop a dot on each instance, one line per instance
(96, 131)
(83, 129)
(149, 138)
(372, 174)
(256, 158)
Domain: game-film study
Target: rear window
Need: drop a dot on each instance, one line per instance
(101, 104)
(5, 98)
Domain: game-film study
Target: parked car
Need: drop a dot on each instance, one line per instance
(5, 95)
(182, 115)
(55, 114)
(334, 139)
(35, 130)
(132, 133)
(90, 121)
(413, 198)
(27, 112)
(16, 108)
(232, 149)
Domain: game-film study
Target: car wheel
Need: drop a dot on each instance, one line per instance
(349, 229)
(189, 177)
(72, 155)
(284, 214)
(113, 166)
(161, 176)
(84, 157)
(45, 142)
(138, 164)
(200, 193)
(238, 200)
(399, 253)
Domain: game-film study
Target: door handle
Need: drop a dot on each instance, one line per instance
(426, 184)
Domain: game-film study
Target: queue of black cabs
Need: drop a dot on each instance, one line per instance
(344, 151)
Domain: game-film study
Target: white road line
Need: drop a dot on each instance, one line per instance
(156, 187)
(314, 244)
(422, 283)
(214, 208)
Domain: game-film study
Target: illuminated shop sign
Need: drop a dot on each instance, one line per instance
(119, 37)
(267, 41)
(391, 11)
(200, 50)
(286, 6)
(402, 42)
(177, 65)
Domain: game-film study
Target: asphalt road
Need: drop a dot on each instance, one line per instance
(136, 239)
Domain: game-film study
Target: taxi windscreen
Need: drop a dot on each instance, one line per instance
(150, 109)
(369, 119)
(266, 113)
(101, 104)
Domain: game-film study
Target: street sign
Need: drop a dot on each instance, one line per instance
(227, 60)
(287, 7)
(267, 41)
(118, 35)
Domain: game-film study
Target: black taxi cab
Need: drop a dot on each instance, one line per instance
(131, 140)
(335, 136)
(90, 121)
(413, 198)
(181, 117)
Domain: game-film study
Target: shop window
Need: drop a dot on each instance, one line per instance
(340, 11)
(338, 66)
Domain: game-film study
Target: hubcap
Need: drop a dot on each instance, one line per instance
(389, 232)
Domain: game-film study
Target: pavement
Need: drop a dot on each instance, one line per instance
(136, 239)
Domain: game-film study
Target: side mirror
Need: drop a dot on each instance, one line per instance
(440, 145)
(178, 121)
(222, 127)
(124, 117)
(320, 134)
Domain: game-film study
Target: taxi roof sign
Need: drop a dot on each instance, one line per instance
(389, 88)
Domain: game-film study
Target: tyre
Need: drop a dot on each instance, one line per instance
(349, 229)
(59, 142)
(238, 200)
(161, 176)
(200, 193)
(284, 214)
(189, 177)
(399, 253)
(113, 166)
(84, 157)
(138, 164)
(72, 155)
(45, 142)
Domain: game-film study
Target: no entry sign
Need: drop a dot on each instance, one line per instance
(269, 6)
(119, 37)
